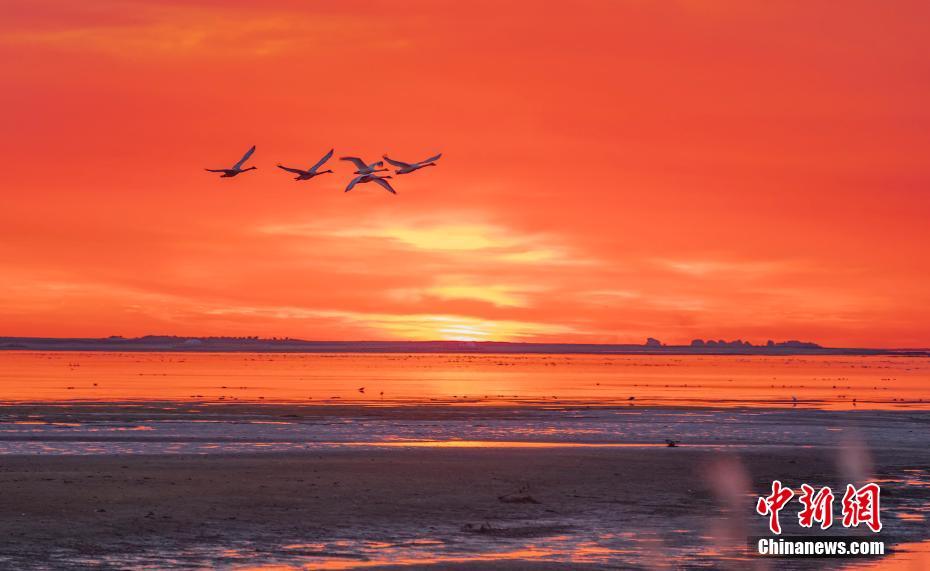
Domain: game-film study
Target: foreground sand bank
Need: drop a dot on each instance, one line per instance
(342, 508)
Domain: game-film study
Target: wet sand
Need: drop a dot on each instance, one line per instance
(338, 508)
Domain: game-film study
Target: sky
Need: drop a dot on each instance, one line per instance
(611, 170)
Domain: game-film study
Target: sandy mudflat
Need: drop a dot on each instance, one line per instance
(597, 507)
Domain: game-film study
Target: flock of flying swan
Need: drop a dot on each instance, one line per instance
(366, 172)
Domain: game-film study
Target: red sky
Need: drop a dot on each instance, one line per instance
(611, 170)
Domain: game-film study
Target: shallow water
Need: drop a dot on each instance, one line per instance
(202, 428)
(830, 382)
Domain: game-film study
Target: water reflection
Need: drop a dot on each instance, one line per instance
(904, 557)
(113, 428)
(607, 550)
(832, 382)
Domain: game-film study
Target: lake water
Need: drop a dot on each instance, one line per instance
(832, 382)
(95, 403)
(137, 403)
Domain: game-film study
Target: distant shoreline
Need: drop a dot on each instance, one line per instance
(254, 345)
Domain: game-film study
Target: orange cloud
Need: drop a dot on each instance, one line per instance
(609, 172)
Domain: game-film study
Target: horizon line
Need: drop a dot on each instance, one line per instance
(706, 344)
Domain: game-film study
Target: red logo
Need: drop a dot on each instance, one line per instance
(860, 506)
(772, 504)
(817, 507)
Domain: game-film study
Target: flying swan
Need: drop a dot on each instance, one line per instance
(362, 167)
(236, 168)
(312, 171)
(404, 168)
(363, 178)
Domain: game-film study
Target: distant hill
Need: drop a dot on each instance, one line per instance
(254, 344)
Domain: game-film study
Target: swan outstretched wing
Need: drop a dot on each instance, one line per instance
(385, 184)
(398, 164)
(356, 161)
(354, 182)
(215, 170)
(244, 158)
(295, 171)
(322, 161)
